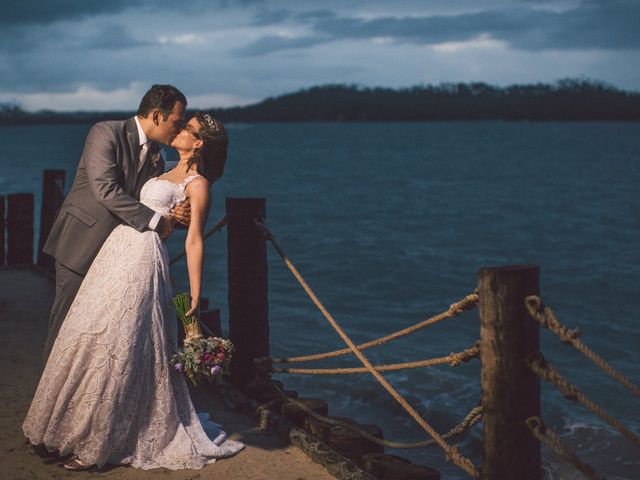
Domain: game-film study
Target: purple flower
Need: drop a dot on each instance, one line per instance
(215, 370)
(179, 367)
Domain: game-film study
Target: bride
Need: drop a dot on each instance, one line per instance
(108, 393)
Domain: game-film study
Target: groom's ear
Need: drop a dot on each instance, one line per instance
(156, 117)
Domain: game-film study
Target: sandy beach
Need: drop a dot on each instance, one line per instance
(25, 300)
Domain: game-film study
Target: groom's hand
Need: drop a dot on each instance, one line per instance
(181, 213)
(165, 227)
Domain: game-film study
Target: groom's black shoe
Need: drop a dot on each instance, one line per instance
(42, 451)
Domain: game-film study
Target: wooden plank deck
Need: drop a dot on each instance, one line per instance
(25, 300)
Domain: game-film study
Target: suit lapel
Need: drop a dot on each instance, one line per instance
(133, 160)
(148, 169)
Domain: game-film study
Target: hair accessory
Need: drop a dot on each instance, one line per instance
(211, 122)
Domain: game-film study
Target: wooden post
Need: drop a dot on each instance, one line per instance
(510, 391)
(20, 228)
(3, 258)
(247, 276)
(211, 318)
(52, 197)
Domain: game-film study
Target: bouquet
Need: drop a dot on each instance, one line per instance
(199, 359)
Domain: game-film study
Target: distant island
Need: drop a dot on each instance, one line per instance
(564, 100)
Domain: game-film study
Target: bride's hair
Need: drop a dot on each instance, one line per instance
(211, 157)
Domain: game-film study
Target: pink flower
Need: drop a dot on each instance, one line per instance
(215, 370)
(207, 357)
(179, 367)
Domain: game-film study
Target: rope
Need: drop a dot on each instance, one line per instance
(467, 303)
(472, 418)
(547, 318)
(552, 441)
(454, 359)
(218, 226)
(543, 370)
(452, 452)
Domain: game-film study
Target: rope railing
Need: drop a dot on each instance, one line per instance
(218, 227)
(454, 359)
(472, 418)
(548, 437)
(452, 452)
(467, 303)
(543, 369)
(546, 317)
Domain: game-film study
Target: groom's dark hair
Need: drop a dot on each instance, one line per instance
(162, 97)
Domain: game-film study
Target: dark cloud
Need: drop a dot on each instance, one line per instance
(112, 37)
(315, 15)
(21, 12)
(38, 11)
(272, 43)
(593, 24)
(270, 17)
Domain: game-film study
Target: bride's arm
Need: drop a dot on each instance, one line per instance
(200, 196)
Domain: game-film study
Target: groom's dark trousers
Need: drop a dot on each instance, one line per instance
(103, 195)
(67, 285)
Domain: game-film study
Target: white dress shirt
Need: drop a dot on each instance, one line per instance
(144, 143)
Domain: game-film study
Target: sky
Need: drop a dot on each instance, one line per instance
(104, 54)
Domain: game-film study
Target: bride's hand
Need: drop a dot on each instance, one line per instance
(195, 304)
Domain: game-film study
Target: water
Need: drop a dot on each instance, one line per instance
(389, 224)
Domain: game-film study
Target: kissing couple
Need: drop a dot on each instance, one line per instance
(108, 392)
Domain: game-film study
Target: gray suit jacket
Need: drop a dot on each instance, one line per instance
(104, 194)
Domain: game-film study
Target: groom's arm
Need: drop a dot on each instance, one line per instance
(99, 158)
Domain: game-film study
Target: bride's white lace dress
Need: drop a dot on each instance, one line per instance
(108, 392)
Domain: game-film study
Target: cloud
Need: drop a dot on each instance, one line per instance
(272, 43)
(38, 11)
(270, 17)
(126, 98)
(21, 12)
(117, 99)
(591, 24)
(219, 100)
(111, 37)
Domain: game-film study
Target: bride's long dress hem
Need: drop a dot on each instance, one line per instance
(108, 392)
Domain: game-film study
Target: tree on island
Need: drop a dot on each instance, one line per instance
(565, 100)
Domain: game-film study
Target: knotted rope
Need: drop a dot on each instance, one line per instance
(472, 418)
(451, 452)
(454, 359)
(547, 318)
(552, 441)
(542, 369)
(467, 303)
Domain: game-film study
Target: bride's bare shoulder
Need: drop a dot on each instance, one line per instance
(198, 186)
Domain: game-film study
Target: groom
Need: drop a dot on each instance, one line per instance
(118, 158)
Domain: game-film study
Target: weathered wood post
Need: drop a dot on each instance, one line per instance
(211, 319)
(247, 276)
(20, 228)
(510, 391)
(3, 258)
(52, 198)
